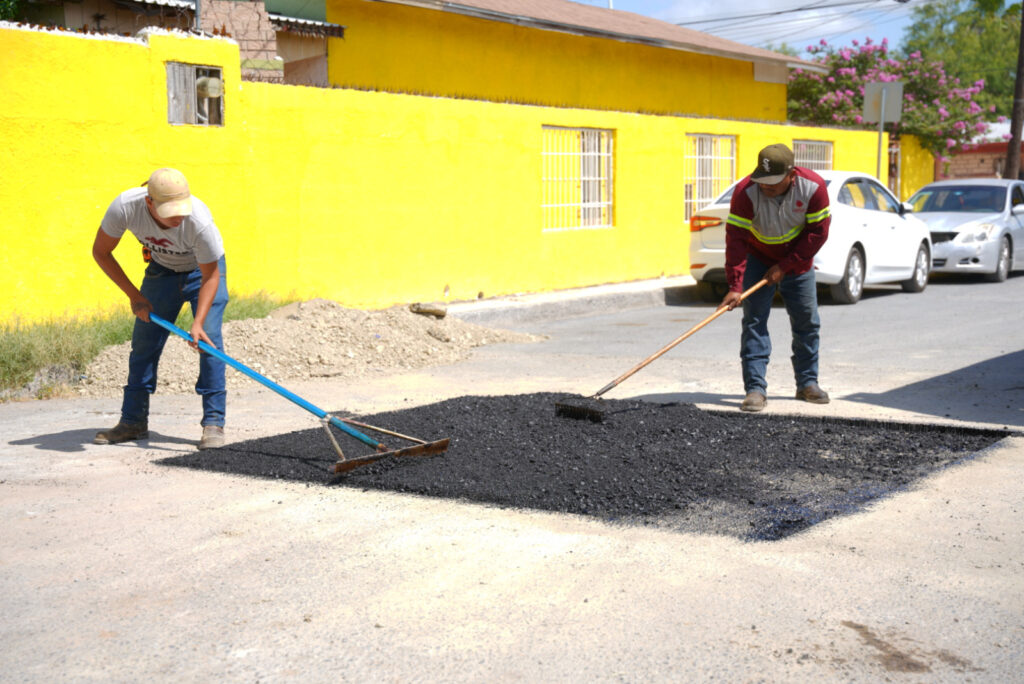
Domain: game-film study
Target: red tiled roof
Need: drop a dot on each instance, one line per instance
(575, 17)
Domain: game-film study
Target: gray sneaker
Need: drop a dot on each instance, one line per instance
(753, 402)
(213, 437)
(122, 432)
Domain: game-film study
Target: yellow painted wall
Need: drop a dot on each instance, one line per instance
(370, 199)
(82, 120)
(917, 166)
(412, 49)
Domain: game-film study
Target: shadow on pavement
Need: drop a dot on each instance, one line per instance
(71, 441)
(991, 391)
(986, 392)
(720, 401)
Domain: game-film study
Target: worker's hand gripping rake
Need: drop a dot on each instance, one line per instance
(344, 464)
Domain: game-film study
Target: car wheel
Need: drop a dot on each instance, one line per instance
(851, 287)
(919, 280)
(712, 293)
(1002, 263)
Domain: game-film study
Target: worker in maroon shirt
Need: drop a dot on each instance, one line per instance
(778, 220)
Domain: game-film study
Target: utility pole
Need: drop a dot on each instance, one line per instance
(1017, 115)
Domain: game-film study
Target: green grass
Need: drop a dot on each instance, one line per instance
(26, 348)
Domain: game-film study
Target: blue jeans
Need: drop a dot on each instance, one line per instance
(168, 291)
(800, 293)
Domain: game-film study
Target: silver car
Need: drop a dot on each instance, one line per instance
(873, 239)
(977, 225)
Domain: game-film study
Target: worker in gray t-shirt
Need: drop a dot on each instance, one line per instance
(185, 256)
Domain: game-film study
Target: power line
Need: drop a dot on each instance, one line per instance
(813, 26)
(822, 15)
(808, 8)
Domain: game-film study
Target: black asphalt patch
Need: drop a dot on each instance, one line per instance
(757, 477)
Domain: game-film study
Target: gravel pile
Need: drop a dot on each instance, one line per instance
(312, 339)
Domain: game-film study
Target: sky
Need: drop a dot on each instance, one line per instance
(771, 23)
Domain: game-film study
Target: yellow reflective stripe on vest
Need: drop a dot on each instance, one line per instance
(747, 224)
(818, 216)
(738, 221)
(793, 232)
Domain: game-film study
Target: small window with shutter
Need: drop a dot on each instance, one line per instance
(195, 95)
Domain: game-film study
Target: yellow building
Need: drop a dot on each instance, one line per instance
(460, 154)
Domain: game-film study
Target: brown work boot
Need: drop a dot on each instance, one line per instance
(122, 432)
(754, 401)
(813, 394)
(213, 437)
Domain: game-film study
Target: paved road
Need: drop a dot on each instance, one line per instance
(113, 568)
(955, 351)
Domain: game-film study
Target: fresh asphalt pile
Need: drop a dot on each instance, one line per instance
(757, 477)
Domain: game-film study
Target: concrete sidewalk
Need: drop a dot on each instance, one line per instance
(520, 309)
(114, 568)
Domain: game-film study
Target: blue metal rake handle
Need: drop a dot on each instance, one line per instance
(267, 382)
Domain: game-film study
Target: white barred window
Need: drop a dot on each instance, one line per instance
(813, 154)
(577, 178)
(710, 168)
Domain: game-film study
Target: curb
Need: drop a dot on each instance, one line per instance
(527, 308)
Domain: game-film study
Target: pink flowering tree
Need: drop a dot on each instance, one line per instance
(938, 109)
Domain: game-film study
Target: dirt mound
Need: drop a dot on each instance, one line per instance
(312, 339)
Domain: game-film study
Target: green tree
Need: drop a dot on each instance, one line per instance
(975, 42)
(10, 10)
(938, 109)
(784, 48)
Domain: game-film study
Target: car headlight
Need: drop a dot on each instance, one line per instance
(978, 233)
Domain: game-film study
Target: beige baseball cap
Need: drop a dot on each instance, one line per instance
(169, 191)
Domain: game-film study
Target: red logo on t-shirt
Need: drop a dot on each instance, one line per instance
(799, 203)
(160, 242)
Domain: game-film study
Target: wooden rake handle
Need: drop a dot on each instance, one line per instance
(718, 312)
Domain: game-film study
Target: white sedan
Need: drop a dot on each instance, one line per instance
(977, 225)
(873, 239)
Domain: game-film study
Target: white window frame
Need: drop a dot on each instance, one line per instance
(816, 155)
(195, 94)
(710, 168)
(577, 178)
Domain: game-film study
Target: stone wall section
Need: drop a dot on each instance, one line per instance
(248, 24)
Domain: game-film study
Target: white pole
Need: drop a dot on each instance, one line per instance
(881, 124)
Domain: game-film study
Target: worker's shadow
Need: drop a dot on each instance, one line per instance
(989, 391)
(72, 441)
(723, 401)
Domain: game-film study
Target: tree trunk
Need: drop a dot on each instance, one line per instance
(1017, 115)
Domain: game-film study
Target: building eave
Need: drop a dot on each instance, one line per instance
(308, 27)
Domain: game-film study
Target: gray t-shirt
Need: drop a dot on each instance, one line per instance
(196, 241)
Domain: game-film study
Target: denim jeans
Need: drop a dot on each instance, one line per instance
(800, 294)
(168, 291)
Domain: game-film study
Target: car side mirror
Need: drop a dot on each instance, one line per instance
(906, 208)
(1017, 209)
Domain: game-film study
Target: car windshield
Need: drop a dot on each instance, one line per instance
(960, 198)
(726, 196)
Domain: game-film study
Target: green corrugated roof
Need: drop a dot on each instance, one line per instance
(303, 9)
